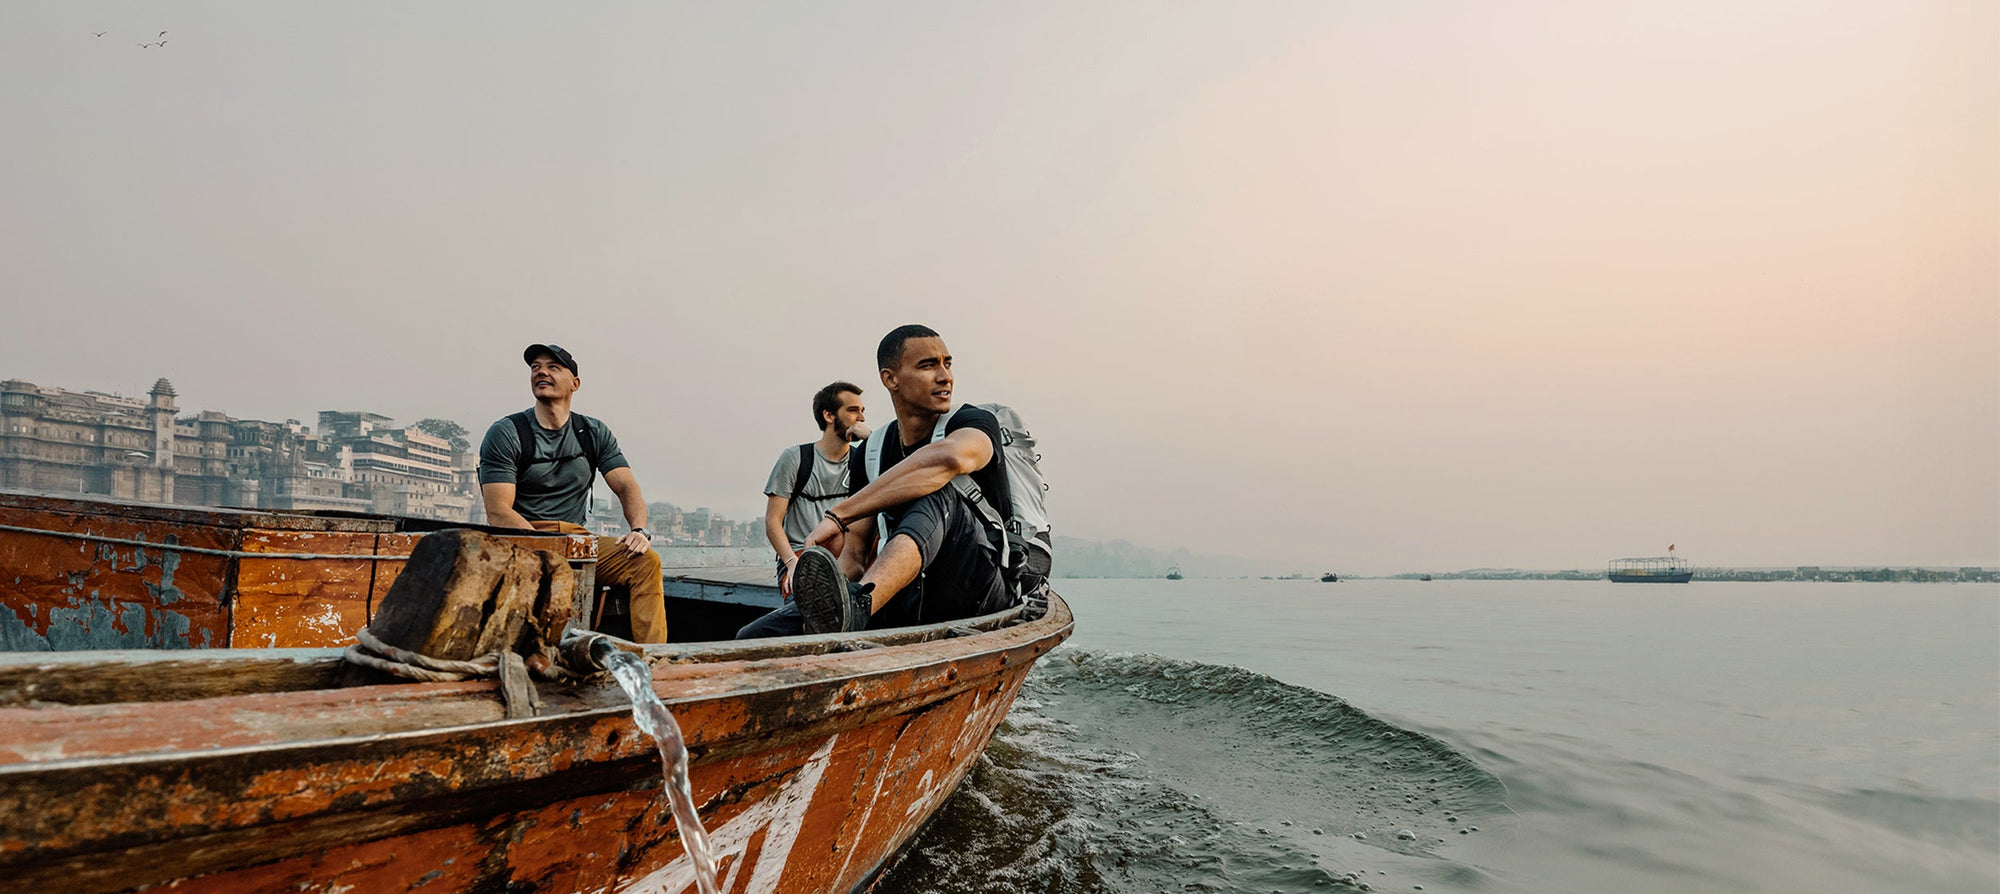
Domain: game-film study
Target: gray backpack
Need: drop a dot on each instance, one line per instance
(1027, 549)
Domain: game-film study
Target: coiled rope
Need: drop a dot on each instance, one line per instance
(373, 653)
(517, 690)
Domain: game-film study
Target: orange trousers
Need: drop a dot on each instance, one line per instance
(638, 572)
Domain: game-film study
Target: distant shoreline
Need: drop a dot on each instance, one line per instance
(1123, 560)
(1821, 574)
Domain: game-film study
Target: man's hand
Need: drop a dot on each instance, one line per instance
(785, 580)
(636, 542)
(826, 534)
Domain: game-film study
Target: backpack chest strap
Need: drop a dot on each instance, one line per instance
(524, 430)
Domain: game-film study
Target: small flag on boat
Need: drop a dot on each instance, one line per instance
(1670, 547)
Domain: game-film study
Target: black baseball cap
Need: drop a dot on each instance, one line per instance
(528, 356)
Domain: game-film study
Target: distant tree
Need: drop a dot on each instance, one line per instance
(446, 429)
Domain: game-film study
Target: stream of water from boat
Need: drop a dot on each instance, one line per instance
(636, 678)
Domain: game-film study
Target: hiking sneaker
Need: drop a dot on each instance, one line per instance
(828, 602)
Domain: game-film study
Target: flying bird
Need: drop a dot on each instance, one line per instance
(160, 44)
(100, 33)
(161, 34)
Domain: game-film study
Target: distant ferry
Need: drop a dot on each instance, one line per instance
(1174, 573)
(1329, 578)
(1667, 569)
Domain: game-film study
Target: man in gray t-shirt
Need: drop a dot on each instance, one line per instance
(554, 485)
(536, 468)
(793, 503)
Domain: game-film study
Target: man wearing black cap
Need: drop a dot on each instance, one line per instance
(535, 471)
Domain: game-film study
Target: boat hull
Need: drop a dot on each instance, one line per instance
(812, 767)
(1679, 577)
(143, 745)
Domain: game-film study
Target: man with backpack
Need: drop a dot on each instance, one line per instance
(536, 468)
(812, 476)
(937, 481)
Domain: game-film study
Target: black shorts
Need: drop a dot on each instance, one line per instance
(961, 576)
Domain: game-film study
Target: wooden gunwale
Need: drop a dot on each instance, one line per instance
(172, 547)
(316, 520)
(439, 753)
(93, 573)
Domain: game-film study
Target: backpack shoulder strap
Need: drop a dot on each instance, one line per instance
(805, 470)
(525, 432)
(586, 441)
(937, 433)
(970, 490)
(871, 455)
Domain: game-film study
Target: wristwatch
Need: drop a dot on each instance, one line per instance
(648, 534)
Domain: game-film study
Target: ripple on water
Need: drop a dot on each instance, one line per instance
(1135, 772)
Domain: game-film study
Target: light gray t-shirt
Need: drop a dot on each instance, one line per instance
(826, 486)
(548, 491)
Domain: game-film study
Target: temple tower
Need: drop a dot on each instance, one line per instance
(162, 410)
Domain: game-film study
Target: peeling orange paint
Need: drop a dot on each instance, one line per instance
(88, 594)
(568, 801)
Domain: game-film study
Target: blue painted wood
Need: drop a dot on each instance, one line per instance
(748, 586)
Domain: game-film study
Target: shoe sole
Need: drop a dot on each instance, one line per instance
(821, 592)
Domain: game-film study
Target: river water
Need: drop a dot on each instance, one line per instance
(1292, 736)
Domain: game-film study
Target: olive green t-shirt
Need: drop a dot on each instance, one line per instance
(548, 491)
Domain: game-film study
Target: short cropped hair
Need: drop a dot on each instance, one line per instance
(890, 352)
(828, 401)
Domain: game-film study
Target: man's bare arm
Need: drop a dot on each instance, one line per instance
(499, 499)
(626, 486)
(774, 531)
(775, 508)
(921, 473)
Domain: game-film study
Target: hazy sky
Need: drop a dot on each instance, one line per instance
(1377, 287)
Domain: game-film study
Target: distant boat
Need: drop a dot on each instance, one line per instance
(1174, 573)
(1423, 577)
(1667, 569)
(1329, 578)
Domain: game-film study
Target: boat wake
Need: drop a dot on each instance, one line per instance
(1139, 773)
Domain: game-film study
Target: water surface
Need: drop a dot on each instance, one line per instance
(1283, 735)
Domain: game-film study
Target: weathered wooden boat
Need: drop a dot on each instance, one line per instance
(85, 573)
(815, 759)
